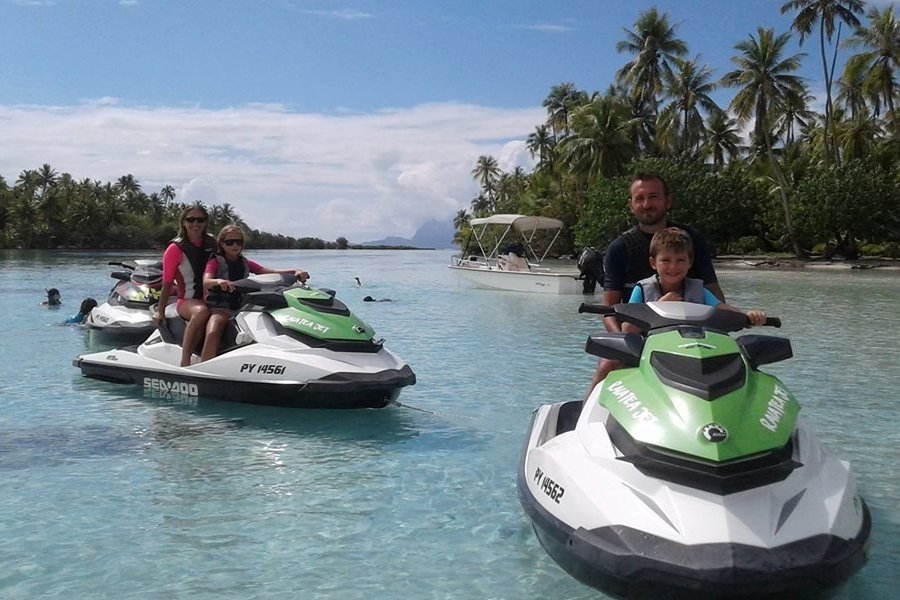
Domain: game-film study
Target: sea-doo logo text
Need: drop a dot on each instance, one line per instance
(714, 433)
(775, 409)
(629, 400)
(550, 487)
(165, 389)
(311, 325)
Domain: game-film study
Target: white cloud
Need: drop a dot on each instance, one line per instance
(346, 14)
(360, 175)
(549, 28)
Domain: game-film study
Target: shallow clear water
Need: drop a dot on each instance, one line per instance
(109, 494)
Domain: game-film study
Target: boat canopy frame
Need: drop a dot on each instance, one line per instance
(526, 225)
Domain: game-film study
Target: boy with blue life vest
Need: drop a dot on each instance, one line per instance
(671, 256)
(226, 266)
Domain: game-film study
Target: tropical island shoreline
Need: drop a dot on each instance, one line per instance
(790, 263)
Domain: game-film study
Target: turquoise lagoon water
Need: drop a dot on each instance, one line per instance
(110, 494)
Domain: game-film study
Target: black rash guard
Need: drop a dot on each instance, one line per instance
(627, 260)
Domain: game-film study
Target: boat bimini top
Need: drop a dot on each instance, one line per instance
(527, 226)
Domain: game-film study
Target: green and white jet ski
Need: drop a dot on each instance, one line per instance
(688, 472)
(125, 315)
(288, 345)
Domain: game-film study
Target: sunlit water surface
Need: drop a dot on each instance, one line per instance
(110, 494)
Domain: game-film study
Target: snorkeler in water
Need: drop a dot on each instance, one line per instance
(53, 298)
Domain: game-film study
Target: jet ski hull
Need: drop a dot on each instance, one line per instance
(337, 390)
(269, 355)
(620, 558)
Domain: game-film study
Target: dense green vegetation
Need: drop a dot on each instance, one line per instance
(806, 182)
(47, 210)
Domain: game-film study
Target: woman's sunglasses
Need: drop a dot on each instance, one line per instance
(233, 242)
(195, 219)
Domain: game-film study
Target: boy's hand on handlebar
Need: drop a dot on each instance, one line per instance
(671, 297)
(756, 317)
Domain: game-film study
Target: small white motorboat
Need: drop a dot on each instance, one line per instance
(514, 265)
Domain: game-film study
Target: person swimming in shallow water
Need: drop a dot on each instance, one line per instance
(371, 299)
(87, 305)
(53, 298)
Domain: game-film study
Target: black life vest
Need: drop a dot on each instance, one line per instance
(232, 271)
(193, 263)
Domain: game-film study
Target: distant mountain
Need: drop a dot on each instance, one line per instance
(432, 234)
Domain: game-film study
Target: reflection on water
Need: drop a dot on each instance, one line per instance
(109, 492)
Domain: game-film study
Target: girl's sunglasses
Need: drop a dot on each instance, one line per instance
(233, 242)
(195, 219)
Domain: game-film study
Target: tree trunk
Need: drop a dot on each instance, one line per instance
(785, 204)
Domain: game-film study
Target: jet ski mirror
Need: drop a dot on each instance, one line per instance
(624, 347)
(765, 349)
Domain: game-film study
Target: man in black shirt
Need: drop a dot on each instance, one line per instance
(627, 257)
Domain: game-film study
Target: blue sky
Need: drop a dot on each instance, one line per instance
(317, 117)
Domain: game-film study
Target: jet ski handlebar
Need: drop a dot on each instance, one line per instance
(597, 309)
(605, 310)
(269, 281)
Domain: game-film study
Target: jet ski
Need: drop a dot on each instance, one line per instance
(689, 473)
(287, 345)
(125, 316)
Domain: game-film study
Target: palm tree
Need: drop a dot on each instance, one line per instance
(156, 207)
(167, 193)
(857, 136)
(560, 103)
(229, 215)
(765, 80)
(689, 88)
(855, 91)
(46, 178)
(461, 218)
(655, 47)
(826, 13)
(881, 41)
(541, 144)
(130, 189)
(795, 111)
(25, 226)
(82, 221)
(482, 205)
(486, 173)
(600, 143)
(28, 181)
(723, 138)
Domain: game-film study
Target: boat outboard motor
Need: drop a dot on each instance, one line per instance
(590, 265)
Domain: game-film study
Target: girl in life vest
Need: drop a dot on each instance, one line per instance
(221, 270)
(183, 263)
(671, 255)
